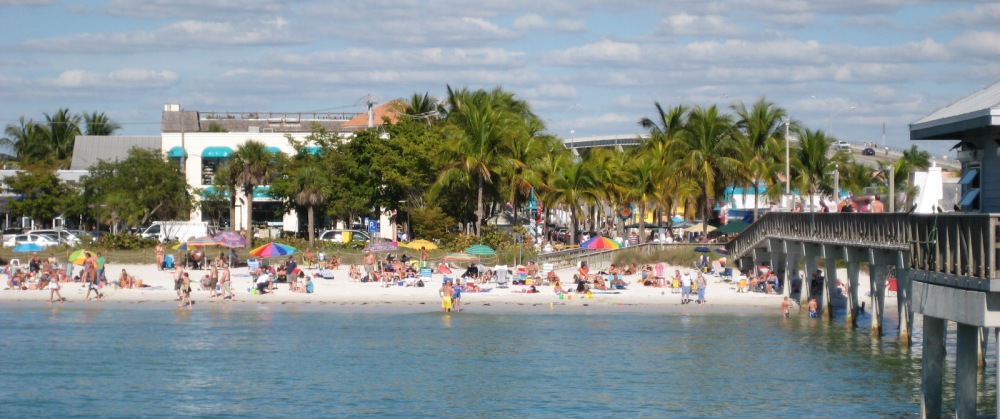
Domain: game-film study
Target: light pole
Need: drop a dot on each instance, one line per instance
(788, 166)
(409, 234)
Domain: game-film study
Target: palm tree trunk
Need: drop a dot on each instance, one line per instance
(479, 206)
(642, 222)
(756, 202)
(232, 209)
(311, 233)
(249, 219)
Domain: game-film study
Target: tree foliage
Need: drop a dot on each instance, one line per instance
(134, 191)
(40, 193)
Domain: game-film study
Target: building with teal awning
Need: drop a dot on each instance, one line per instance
(216, 153)
(177, 152)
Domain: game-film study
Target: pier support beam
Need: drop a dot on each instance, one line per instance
(932, 367)
(829, 284)
(791, 271)
(853, 266)
(904, 288)
(877, 273)
(966, 371)
(812, 265)
(984, 339)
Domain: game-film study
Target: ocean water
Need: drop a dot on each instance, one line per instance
(271, 361)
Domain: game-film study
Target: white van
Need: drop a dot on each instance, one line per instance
(165, 231)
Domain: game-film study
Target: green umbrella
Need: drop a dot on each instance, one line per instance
(733, 226)
(480, 249)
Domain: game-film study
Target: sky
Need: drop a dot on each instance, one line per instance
(587, 67)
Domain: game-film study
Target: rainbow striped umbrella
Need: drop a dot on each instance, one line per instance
(272, 249)
(600, 242)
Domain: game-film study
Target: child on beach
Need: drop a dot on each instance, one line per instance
(186, 292)
(445, 292)
(813, 308)
(54, 288)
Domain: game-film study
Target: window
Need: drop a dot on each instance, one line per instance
(970, 188)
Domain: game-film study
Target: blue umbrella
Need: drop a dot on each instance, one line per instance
(702, 249)
(28, 247)
(722, 251)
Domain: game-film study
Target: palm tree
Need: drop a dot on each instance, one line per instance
(312, 186)
(572, 186)
(24, 140)
(251, 165)
(545, 173)
(647, 174)
(811, 163)
(484, 121)
(96, 123)
(706, 153)
(423, 107)
(760, 135)
(60, 135)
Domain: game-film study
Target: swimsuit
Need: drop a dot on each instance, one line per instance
(446, 302)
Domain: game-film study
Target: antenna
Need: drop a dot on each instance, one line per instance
(369, 100)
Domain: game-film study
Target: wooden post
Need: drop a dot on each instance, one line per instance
(877, 272)
(852, 295)
(932, 367)
(829, 283)
(966, 371)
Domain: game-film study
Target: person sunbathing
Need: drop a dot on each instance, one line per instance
(618, 283)
(552, 277)
(557, 288)
(125, 280)
(355, 273)
(599, 282)
(631, 270)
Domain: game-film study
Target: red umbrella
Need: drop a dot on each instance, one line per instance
(230, 239)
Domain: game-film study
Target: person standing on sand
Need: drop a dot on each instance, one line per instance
(456, 298)
(369, 265)
(813, 308)
(445, 292)
(686, 288)
(186, 292)
(225, 284)
(785, 306)
(159, 256)
(424, 254)
(178, 280)
(702, 284)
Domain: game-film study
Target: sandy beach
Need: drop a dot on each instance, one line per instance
(356, 296)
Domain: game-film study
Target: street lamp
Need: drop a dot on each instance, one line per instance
(788, 166)
(409, 234)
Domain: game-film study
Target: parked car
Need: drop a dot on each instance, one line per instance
(344, 236)
(842, 146)
(869, 151)
(11, 232)
(61, 236)
(39, 239)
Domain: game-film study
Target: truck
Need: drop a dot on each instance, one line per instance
(165, 231)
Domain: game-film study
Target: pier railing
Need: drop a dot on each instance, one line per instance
(948, 243)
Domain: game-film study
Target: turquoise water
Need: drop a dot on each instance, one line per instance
(124, 361)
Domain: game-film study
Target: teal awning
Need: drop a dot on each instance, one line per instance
(217, 152)
(177, 152)
(314, 150)
(261, 192)
(272, 149)
(210, 192)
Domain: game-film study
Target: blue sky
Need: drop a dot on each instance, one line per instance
(587, 67)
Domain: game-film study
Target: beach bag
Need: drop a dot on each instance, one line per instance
(420, 283)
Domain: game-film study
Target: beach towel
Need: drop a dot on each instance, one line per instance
(326, 274)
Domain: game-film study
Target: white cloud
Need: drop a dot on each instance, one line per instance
(532, 21)
(981, 14)
(601, 52)
(550, 91)
(179, 35)
(415, 58)
(224, 9)
(978, 44)
(687, 24)
(125, 78)
(32, 3)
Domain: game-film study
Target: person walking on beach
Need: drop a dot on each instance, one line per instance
(186, 292)
(785, 306)
(424, 254)
(159, 256)
(178, 280)
(225, 284)
(369, 262)
(702, 284)
(54, 288)
(686, 288)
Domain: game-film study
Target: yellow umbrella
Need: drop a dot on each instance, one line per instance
(417, 244)
(698, 228)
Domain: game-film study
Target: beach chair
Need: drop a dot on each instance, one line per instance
(726, 275)
(893, 287)
(168, 262)
(253, 265)
(502, 276)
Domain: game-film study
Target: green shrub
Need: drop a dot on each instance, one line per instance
(124, 241)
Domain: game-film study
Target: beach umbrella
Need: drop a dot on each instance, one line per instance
(697, 228)
(199, 242)
(480, 249)
(600, 242)
(230, 239)
(78, 257)
(272, 249)
(722, 251)
(382, 247)
(702, 249)
(417, 244)
(27, 248)
(461, 257)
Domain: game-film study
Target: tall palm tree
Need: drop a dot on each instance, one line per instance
(251, 165)
(96, 123)
(708, 153)
(573, 186)
(312, 184)
(665, 128)
(545, 173)
(760, 135)
(424, 107)
(812, 164)
(484, 122)
(25, 140)
(647, 174)
(60, 135)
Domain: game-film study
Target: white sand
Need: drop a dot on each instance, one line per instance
(341, 292)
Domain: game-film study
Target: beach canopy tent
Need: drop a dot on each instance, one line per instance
(480, 249)
(461, 257)
(177, 152)
(698, 228)
(733, 226)
(217, 152)
(382, 247)
(421, 243)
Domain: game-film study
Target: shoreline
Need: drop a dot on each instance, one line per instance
(340, 294)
